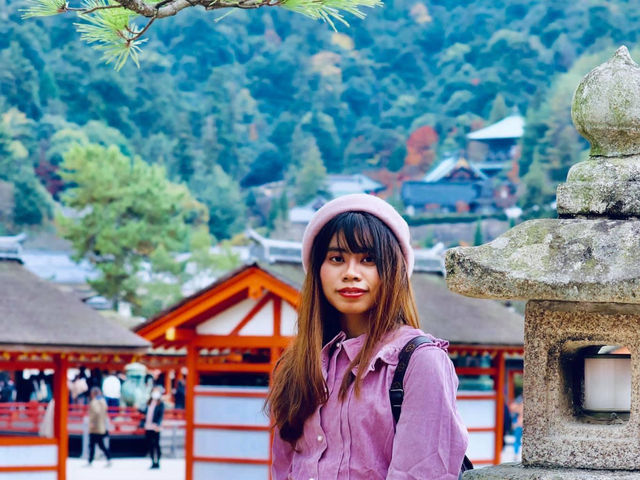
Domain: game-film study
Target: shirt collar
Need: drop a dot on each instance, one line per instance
(387, 350)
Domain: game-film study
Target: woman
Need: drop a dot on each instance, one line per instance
(330, 393)
(98, 419)
(153, 420)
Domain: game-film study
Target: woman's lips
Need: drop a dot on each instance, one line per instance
(351, 292)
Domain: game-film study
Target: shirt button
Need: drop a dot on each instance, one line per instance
(337, 346)
(320, 438)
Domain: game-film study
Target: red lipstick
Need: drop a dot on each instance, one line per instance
(351, 292)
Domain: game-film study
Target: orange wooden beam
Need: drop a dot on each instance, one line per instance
(277, 316)
(252, 313)
(287, 292)
(231, 394)
(24, 441)
(240, 341)
(248, 461)
(234, 367)
(499, 407)
(193, 308)
(27, 468)
(240, 428)
(192, 358)
(252, 280)
(61, 396)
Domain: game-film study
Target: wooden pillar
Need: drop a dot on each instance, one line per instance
(61, 397)
(168, 390)
(500, 360)
(192, 375)
(276, 352)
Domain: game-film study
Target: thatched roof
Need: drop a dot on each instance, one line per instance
(448, 315)
(35, 314)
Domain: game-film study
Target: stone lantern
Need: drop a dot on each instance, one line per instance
(581, 276)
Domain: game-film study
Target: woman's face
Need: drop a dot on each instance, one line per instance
(349, 281)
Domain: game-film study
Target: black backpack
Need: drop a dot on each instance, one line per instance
(396, 392)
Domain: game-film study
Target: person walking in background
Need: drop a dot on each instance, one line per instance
(111, 387)
(152, 424)
(516, 417)
(97, 425)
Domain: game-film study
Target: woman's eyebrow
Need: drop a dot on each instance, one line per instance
(337, 249)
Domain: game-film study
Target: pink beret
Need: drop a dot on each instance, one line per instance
(358, 202)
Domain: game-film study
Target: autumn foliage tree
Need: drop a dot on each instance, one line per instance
(420, 152)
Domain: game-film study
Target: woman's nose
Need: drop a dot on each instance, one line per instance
(352, 270)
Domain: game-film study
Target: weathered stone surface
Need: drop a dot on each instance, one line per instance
(606, 169)
(601, 187)
(557, 433)
(514, 471)
(606, 107)
(598, 199)
(548, 259)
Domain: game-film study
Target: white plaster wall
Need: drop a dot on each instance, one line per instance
(28, 455)
(225, 321)
(262, 322)
(481, 445)
(30, 476)
(230, 411)
(210, 471)
(477, 413)
(288, 325)
(231, 444)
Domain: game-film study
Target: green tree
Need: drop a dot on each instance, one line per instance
(499, 109)
(31, 203)
(221, 195)
(539, 191)
(130, 219)
(310, 179)
(478, 237)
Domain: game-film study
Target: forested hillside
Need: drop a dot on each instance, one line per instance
(232, 104)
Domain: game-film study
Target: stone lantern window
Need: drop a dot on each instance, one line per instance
(580, 275)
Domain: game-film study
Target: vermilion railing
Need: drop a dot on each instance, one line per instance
(26, 418)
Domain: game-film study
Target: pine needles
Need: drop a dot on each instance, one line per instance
(113, 32)
(44, 8)
(109, 26)
(329, 10)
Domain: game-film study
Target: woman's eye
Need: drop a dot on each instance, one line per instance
(369, 259)
(336, 259)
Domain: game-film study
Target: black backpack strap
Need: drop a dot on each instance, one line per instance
(396, 392)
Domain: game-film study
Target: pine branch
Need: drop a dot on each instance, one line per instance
(44, 8)
(109, 22)
(329, 10)
(113, 32)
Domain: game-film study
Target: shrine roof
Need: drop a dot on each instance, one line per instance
(36, 315)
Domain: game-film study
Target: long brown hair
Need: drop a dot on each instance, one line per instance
(298, 386)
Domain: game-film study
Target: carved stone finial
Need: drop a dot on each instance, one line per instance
(606, 107)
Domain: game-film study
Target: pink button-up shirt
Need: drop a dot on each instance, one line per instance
(354, 439)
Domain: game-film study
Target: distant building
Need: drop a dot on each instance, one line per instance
(454, 185)
(498, 145)
(346, 184)
(337, 186)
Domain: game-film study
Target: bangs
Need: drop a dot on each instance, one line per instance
(354, 234)
(358, 232)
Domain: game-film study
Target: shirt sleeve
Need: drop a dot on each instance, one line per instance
(281, 456)
(430, 440)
